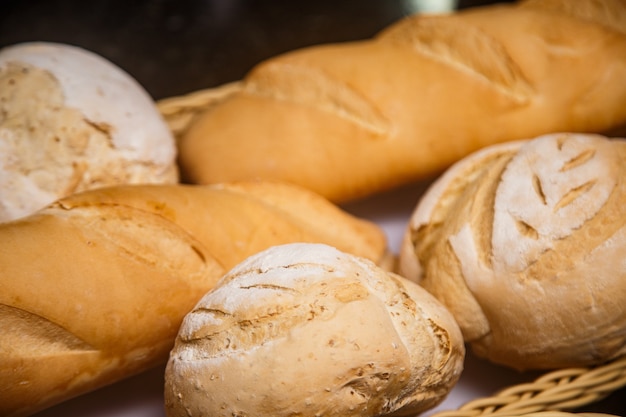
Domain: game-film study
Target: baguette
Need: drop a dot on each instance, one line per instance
(352, 119)
(94, 287)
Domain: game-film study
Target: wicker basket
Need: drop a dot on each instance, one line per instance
(179, 112)
(551, 395)
(560, 390)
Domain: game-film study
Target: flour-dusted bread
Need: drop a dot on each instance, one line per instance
(70, 121)
(352, 119)
(306, 330)
(94, 287)
(525, 243)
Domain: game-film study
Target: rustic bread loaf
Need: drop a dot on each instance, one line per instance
(307, 330)
(348, 120)
(94, 287)
(71, 121)
(525, 243)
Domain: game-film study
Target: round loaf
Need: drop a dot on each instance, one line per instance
(70, 121)
(304, 329)
(525, 243)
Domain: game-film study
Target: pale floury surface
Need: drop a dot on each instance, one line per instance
(304, 329)
(72, 121)
(525, 243)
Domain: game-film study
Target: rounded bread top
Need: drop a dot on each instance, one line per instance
(104, 93)
(524, 243)
(74, 121)
(306, 329)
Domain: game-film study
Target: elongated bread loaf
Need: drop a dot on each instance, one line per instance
(94, 287)
(525, 243)
(351, 119)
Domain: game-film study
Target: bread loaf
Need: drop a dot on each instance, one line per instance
(525, 243)
(94, 287)
(350, 119)
(71, 121)
(306, 330)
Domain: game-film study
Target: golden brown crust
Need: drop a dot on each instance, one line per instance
(94, 287)
(348, 120)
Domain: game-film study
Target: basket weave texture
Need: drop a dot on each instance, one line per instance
(559, 390)
(180, 111)
(555, 394)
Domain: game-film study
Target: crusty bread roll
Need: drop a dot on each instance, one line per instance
(306, 330)
(525, 243)
(71, 121)
(94, 288)
(350, 119)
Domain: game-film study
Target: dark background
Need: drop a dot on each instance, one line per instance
(176, 47)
